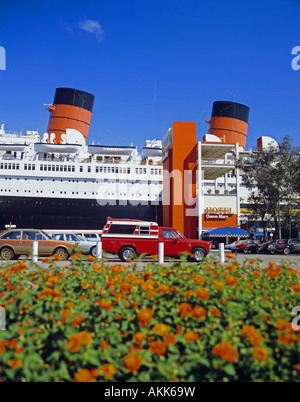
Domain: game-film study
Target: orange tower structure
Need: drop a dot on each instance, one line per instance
(180, 166)
(229, 122)
(71, 109)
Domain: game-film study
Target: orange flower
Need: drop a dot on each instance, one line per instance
(298, 367)
(229, 255)
(191, 336)
(250, 333)
(170, 339)
(260, 354)
(46, 260)
(125, 287)
(77, 340)
(96, 267)
(84, 284)
(77, 320)
(104, 304)
(85, 338)
(15, 363)
(199, 279)
(163, 289)
(271, 274)
(158, 347)
(139, 337)
(85, 375)
(218, 284)
(199, 312)
(161, 329)
(283, 325)
(90, 258)
(225, 351)
(11, 344)
(288, 339)
(231, 281)
(50, 292)
(108, 371)
(119, 296)
(145, 316)
(76, 256)
(215, 312)
(185, 309)
(2, 347)
(188, 293)
(132, 361)
(296, 288)
(104, 345)
(202, 294)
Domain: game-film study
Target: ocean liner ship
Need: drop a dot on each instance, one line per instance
(57, 181)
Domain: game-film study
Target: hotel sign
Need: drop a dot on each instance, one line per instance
(214, 213)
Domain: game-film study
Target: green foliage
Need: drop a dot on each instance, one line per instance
(272, 177)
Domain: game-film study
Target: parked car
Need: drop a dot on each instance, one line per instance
(93, 237)
(263, 247)
(251, 248)
(231, 246)
(295, 246)
(128, 238)
(17, 242)
(284, 246)
(241, 247)
(85, 246)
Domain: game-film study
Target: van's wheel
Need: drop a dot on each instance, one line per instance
(245, 251)
(287, 251)
(62, 253)
(7, 253)
(272, 251)
(94, 251)
(127, 253)
(199, 253)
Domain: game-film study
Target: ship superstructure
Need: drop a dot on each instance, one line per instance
(57, 181)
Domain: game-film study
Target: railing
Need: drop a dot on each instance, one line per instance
(217, 162)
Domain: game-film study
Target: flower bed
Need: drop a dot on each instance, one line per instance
(181, 322)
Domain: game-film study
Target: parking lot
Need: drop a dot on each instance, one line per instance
(294, 259)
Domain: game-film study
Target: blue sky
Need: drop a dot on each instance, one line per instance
(152, 62)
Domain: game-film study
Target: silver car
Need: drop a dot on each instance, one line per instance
(85, 246)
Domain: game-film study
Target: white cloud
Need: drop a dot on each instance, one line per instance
(93, 27)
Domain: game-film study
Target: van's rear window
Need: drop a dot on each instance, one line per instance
(122, 229)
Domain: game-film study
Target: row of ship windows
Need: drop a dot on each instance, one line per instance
(91, 181)
(73, 193)
(66, 168)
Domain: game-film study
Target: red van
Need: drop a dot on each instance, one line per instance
(133, 237)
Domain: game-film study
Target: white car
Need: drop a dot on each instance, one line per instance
(232, 246)
(95, 237)
(86, 246)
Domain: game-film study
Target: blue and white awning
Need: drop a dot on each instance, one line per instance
(226, 232)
